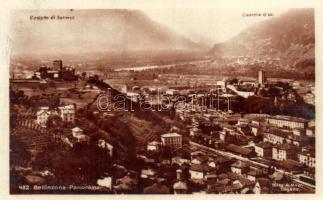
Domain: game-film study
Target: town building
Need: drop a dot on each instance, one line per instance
(284, 152)
(239, 167)
(180, 186)
(153, 146)
(287, 122)
(310, 131)
(201, 159)
(66, 73)
(262, 186)
(67, 113)
(105, 182)
(148, 173)
(241, 151)
(253, 175)
(276, 136)
(307, 158)
(78, 134)
(198, 172)
(264, 150)
(173, 140)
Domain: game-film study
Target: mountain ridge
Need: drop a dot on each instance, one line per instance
(290, 38)
(94, 30)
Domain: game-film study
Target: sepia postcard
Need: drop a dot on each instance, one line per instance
(162, 100)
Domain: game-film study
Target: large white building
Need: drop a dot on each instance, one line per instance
(173, 140)
(287, 122)
(67, 113)
(307, 158)
(284, 152)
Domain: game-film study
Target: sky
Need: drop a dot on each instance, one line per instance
(97, 30)
(210, 25)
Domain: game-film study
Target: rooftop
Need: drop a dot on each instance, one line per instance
(288, 118)
(237, 149)
(154, 143)
(171, 135)
(76, 129)
(285, 147)
(201, 168)
(264, 145)
(239, 164)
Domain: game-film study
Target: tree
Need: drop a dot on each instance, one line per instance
(54, 121)
(18, 152)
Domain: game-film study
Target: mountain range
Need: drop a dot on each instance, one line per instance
(106, 30)
(289, 38)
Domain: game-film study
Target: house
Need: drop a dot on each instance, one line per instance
(78, 134)
(148, 173)
(242, 151)
(276, 136)
(284, 152)
(227, 136)
(223, 164)
(244, 184)
(171, 92)
(299, 131)
(194, 131)
(289, 165)
(310, 131)
(212, 163)
(263, 150)
(262, 186)
(153, 146)
(298, 141)
(67, 113)
(180, 161)
(244, 128)
(197, 153)
(105, 145)
(180, 187)
(212, 178)
(198, 172)
(172, 140)
(254, 174)
(125, 184)
(307, 158)
(257, 127)
(287, 122)
(105, 182)
(42, 116)
(76, 131)
(239, 167)
(198, 160)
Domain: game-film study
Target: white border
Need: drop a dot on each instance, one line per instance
(150, 4)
